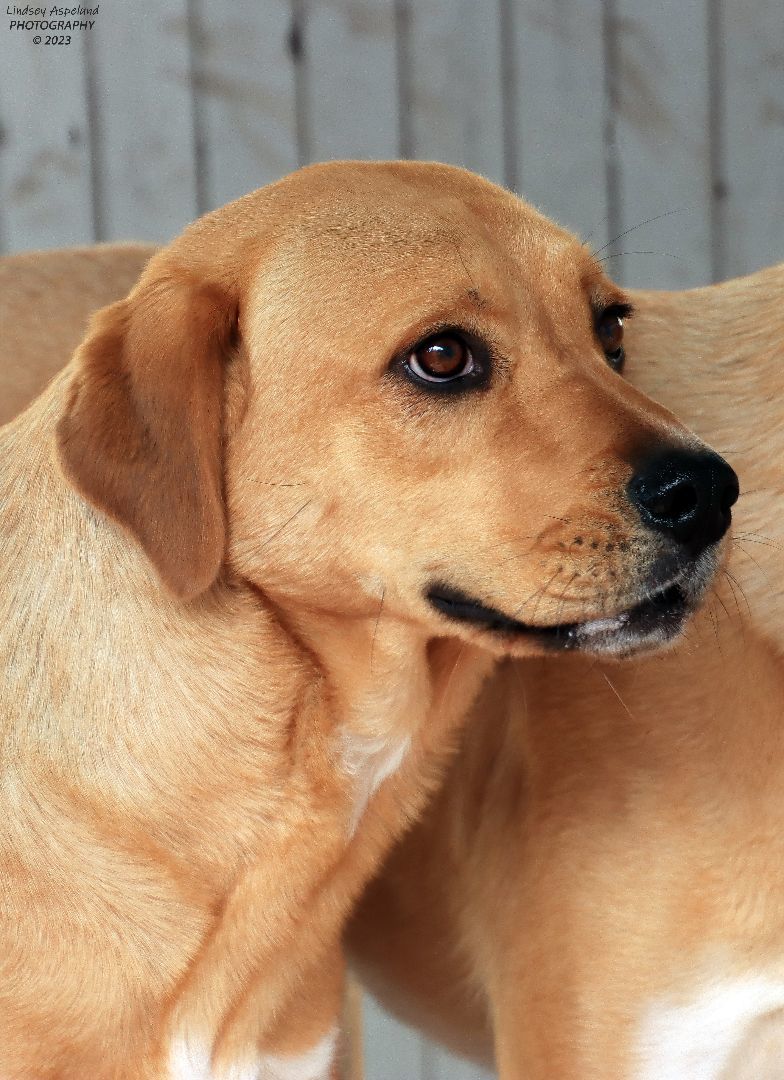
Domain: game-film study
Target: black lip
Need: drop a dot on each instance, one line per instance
(662, 610)
(464, 608)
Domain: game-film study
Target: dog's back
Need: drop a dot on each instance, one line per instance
(46, 298)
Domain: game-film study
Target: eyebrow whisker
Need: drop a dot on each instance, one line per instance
(617, 255)
(639, 225)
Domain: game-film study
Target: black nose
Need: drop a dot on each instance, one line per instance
(686, 495)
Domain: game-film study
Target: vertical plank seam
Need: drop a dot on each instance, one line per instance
(195, 73)
(716, 140)
(510, 133)
(612, 97)
(405, 132)
(428, 1065)
(298, 53)
(353, 1025)
(95, 140)
(4, 140)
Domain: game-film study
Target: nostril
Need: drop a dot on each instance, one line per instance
(674, 502)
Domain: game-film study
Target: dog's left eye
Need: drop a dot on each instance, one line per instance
(609, 330)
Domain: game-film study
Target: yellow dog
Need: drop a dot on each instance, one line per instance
(346, 441)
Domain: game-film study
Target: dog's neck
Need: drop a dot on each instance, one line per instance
(298, 692)
(384, 678)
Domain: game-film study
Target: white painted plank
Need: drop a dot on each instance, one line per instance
(143, 106)
(662, 129)
(454, 85)
(246, 96)
(557, 52)
(392, 1050)
(752, 36)
(45, 181)
(439, 1065)
(350, 79)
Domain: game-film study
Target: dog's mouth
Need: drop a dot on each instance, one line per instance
(655, 620)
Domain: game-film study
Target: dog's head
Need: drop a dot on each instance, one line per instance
(397, 386)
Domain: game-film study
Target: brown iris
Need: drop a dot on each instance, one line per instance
(442, 358)
(609, 329)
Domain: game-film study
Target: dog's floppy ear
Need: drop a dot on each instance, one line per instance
(140, 436)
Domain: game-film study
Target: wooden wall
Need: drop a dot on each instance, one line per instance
(605, 113)
(602, 112)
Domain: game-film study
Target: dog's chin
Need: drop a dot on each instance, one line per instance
(655, 621)
(652, 624)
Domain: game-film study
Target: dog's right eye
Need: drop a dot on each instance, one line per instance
(447, 360)
(442, 358)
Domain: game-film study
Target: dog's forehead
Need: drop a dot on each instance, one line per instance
(408, 222)
(382, 243)
(349, 230)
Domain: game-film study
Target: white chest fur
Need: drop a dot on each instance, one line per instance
(313, 1065)
(190, 1061)
(696, 1040)
(369, 761)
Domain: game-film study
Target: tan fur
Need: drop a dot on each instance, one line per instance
(610, 836)
(215, 649)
